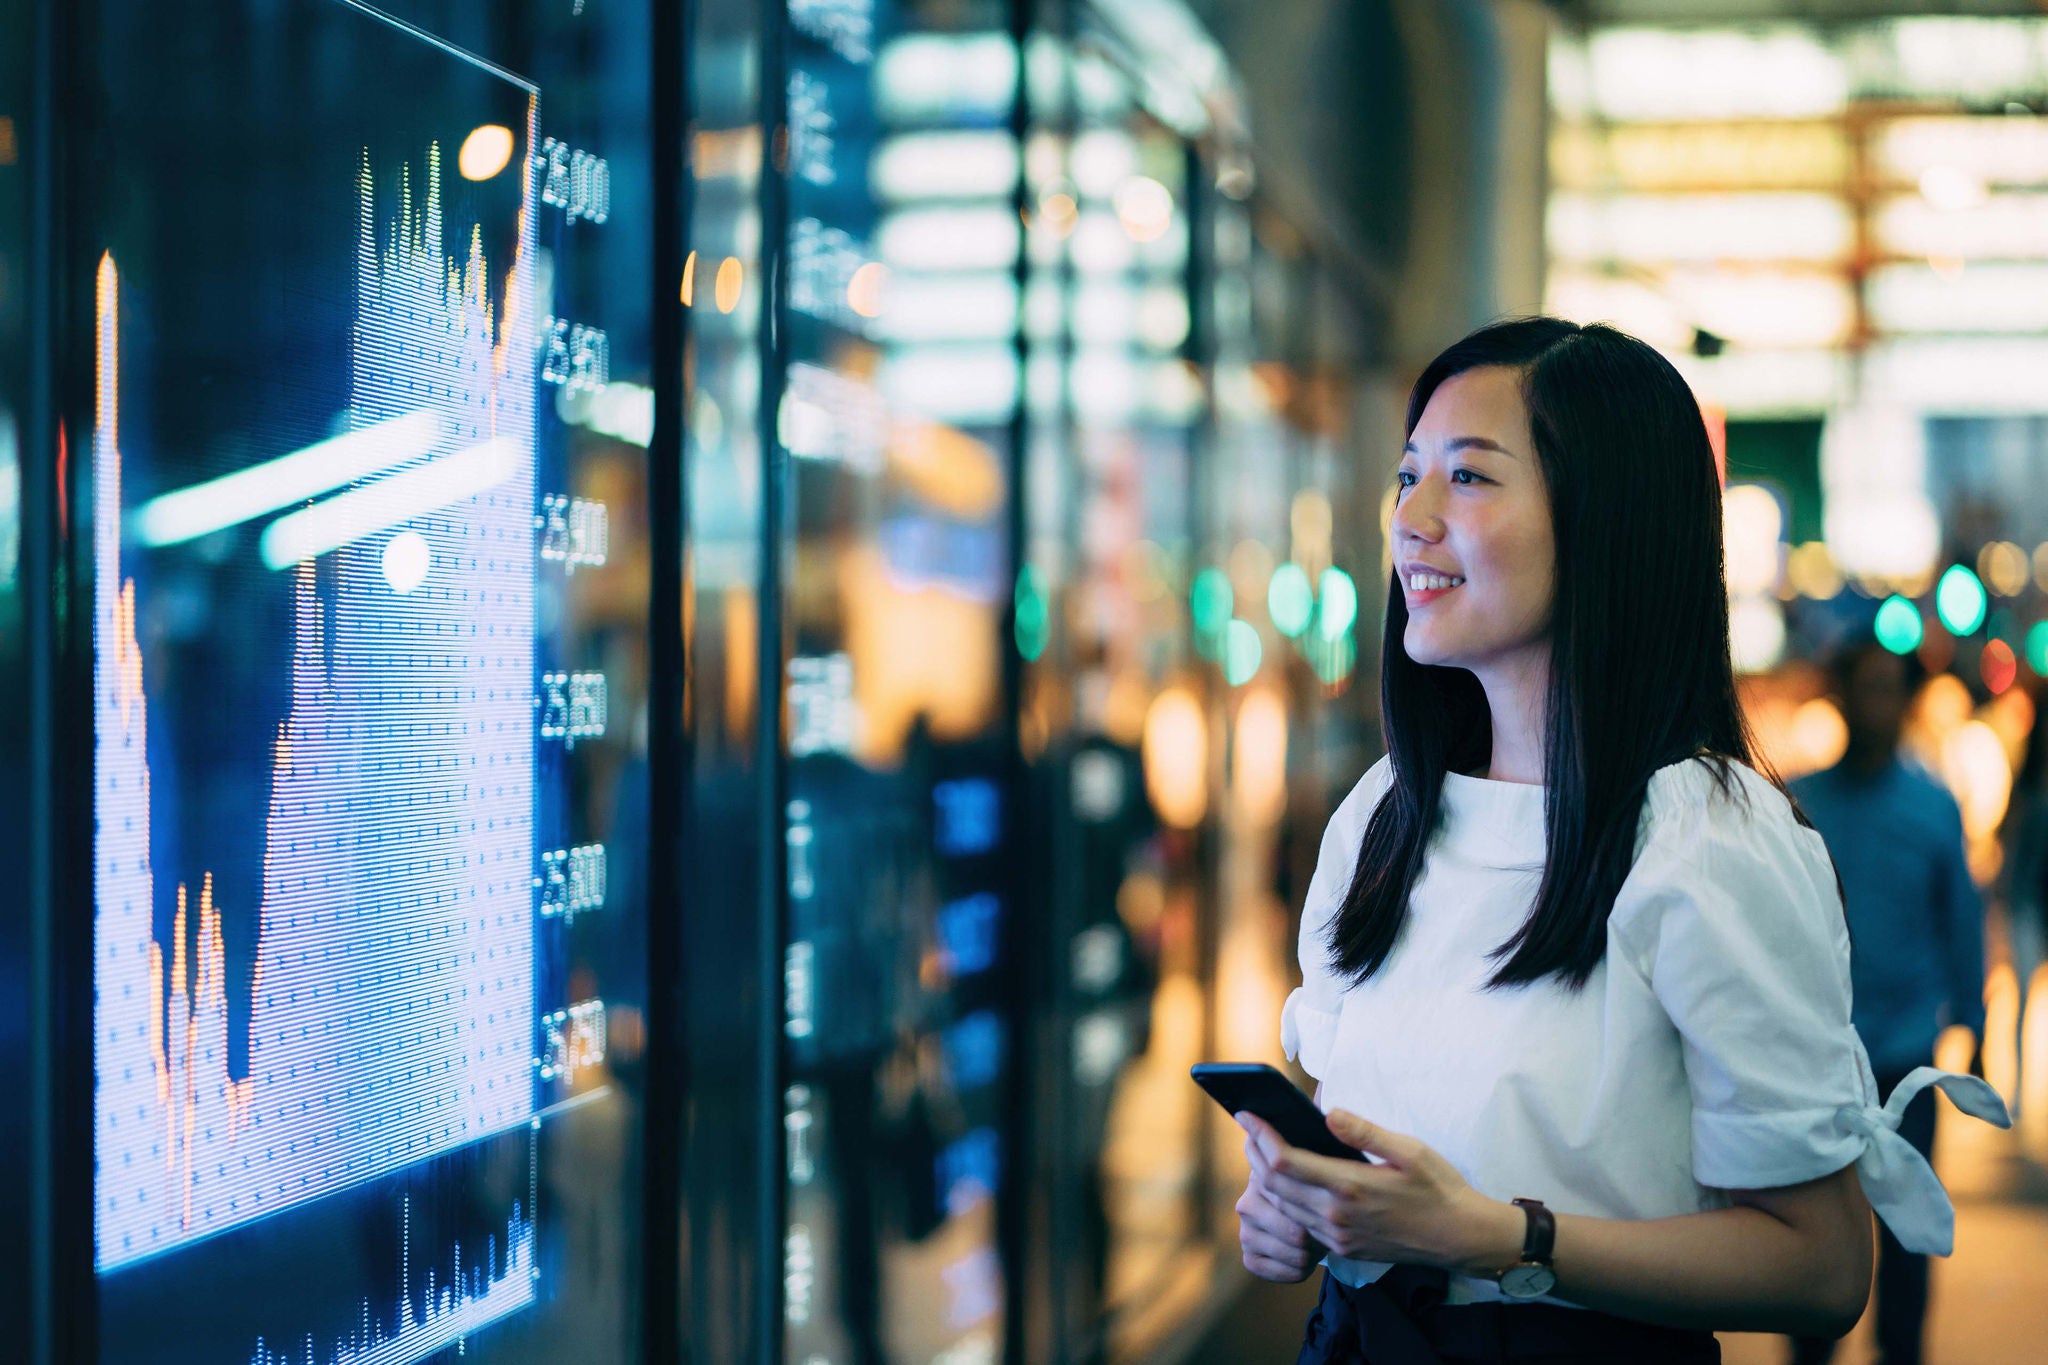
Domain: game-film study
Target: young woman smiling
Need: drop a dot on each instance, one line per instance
(1566, 945)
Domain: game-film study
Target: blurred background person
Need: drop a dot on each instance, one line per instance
(1916, 931)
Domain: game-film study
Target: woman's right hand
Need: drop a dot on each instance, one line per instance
(1275, 1247)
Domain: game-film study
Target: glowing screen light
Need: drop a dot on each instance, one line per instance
(1898, 625)
(1339, 604)
(1959, 600)
(342, 710)
(1290, 600)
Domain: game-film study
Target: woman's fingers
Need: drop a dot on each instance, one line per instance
(1256, 1211)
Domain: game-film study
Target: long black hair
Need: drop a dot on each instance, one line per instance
(1640, 675)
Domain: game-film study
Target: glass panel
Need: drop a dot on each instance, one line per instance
(16, 833)
(371, 393)
(895, 412)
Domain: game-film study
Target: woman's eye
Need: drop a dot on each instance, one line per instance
(1465, 476)
(1405, 477)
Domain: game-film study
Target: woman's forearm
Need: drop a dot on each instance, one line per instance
(1742, 1269)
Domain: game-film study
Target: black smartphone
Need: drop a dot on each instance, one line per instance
(1254, 1086)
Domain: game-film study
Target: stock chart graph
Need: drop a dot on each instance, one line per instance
(350, 1054)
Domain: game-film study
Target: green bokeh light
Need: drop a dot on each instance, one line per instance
(1241, 653)
(1339, 604)
(1290, 600)
(1898, 625)
(1959, 600)
(2037, 647)
(1211, 601)
(1034, 613)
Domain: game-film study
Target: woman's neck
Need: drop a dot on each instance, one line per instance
(1515, 688)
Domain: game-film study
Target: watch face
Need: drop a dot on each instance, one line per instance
(1527, 1281)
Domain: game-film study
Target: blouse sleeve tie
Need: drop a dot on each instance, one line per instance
(1899, 1183)
(1306, 1033)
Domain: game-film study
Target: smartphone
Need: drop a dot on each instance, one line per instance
(1258, 1088)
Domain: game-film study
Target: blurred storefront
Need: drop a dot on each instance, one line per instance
(956, 435)
(1835, 231)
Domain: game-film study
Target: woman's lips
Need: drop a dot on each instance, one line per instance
(1424, 596)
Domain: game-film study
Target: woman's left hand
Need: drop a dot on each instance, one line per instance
(1410, 1207)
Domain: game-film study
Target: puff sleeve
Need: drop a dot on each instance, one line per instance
(1733, 915)
(1308, 1021)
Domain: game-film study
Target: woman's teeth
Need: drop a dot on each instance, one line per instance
(1425, 582)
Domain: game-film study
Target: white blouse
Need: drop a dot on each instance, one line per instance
(1710, 1050)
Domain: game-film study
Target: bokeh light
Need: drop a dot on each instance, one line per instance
(485, 152)
(1242, 653)
(1959, 600)
(2003, 567)
(1211, 600)
(1898, 625)
(2037, 647)
(1290, 600)
(1998, 666)
(1033, 620)
(1339, 605)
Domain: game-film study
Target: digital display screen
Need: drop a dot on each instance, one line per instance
(365, 452)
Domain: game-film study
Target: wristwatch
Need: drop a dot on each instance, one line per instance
(1531, 1277)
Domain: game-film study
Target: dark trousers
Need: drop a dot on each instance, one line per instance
(1901, 1275)
(1403, 1320)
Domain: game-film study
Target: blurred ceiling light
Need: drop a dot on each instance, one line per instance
(1173, 392)
(2006, 296)
(924, 77)
(1756, 634)
(1627, 303)
(1751, 526)
(1959, 375)
(1700, 156)
(1162, 317)
(2007, 225)
(1953, 189)
(1145, 208)
(1878, 519)
(948, 237)
(1700, 227)
(864, 291)
(1974, 59)
(1101, 160)
(970, 385)
(2000, 151)
(1660, 74)
(969, 164)
(726, 287)
(1764, 309)
(978, 306)
(1105, 384)
(485, 152)
(1768, 383)
(2003, 567)
(1100, 246)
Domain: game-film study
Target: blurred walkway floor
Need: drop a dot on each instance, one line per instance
(1989, 1301)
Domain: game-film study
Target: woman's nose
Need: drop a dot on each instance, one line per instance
(1417, 514)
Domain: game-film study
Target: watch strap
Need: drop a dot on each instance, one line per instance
(1540, 1238)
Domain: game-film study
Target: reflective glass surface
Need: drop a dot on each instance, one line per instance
(370, 392)
(898, 388)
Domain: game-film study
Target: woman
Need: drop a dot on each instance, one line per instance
(1565, 945)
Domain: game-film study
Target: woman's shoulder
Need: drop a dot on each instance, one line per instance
(1355, 810)
(1714, 795)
